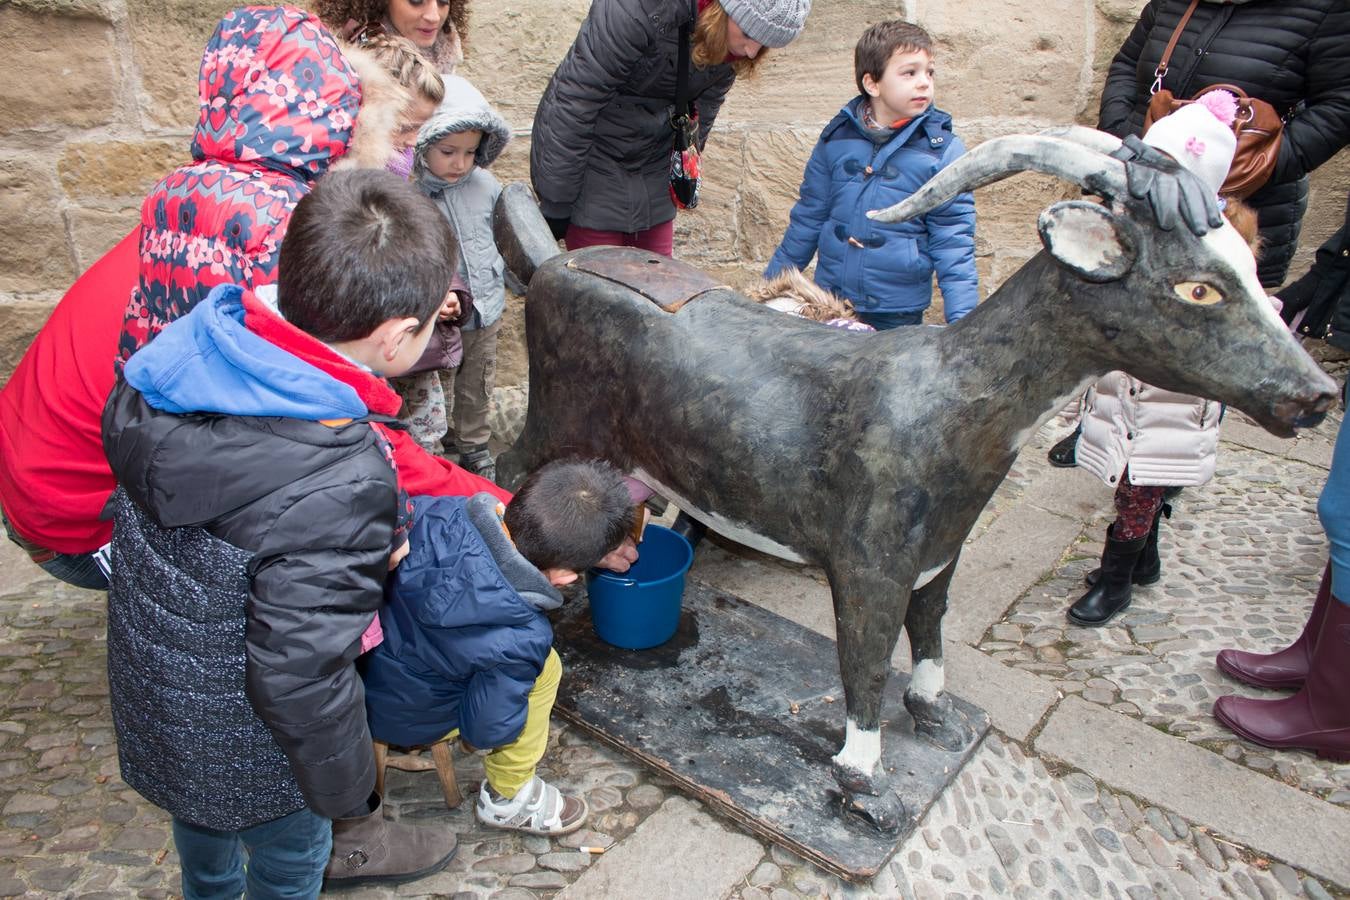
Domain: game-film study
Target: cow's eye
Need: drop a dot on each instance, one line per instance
(1198, 292)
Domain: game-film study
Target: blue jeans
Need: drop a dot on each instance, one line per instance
(883, 321)
(286, 859)
(1333, 508)
(78, 569)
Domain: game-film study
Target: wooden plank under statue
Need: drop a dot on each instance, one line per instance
(743, 708)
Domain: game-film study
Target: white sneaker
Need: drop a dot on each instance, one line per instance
(537, 808)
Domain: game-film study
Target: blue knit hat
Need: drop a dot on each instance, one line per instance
(773, 23)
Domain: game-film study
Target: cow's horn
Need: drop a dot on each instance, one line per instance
(1088, 137)
(998, 158)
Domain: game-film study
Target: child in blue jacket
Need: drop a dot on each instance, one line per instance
(877, 151)
(467, 649)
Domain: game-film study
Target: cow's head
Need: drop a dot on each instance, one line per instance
(1174, 308)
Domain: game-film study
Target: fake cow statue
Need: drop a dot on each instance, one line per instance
(872, 455)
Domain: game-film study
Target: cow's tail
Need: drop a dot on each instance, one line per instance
(523, 237)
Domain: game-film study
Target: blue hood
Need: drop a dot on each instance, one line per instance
(208, 362)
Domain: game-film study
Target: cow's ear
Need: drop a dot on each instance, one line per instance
(1087, 238)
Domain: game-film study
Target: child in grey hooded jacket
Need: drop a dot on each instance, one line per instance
(454, 149)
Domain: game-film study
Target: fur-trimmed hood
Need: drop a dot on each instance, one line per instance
(463, 109)
(383, 101)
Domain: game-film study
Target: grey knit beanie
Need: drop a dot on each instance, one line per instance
(773, 23)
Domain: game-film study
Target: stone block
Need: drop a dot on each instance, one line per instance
(807, 81)
(513, 367)
(709, 234)
(167, 39)
(37, 252)
(773, 165)
(19, 321)
(95, 231)
(538, 36)
(60, 66)
(100, 170)
(1008, 59)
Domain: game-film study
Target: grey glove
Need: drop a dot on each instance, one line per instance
(1171, 188)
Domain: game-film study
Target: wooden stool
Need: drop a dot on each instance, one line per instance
(442, 760)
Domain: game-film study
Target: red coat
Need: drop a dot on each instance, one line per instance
(54, 478)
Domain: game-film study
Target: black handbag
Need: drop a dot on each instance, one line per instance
(684, 154)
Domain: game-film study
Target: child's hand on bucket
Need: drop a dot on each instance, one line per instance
(621, 558)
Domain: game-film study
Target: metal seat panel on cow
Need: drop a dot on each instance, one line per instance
(743, 709)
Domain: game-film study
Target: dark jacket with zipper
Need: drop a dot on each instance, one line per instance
(465, 636)
(1323, 293)
(1293, 55)
(256, 510)
(600, 149)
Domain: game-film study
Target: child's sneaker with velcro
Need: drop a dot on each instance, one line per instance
(537, 808)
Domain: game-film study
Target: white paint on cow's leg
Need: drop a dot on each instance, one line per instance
(862, 749)
(928, 575)
(928, 679)
(1056, 405)
(739, 532)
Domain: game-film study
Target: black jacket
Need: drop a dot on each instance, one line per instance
(1323, 294)
(600, 150)
(1294, 54)
(249, 555)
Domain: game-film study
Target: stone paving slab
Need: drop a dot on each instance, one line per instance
(1251, 809)
(679, 853)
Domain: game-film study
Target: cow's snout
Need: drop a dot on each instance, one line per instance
(1306, 410)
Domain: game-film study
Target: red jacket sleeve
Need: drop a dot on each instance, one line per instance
(419, 472)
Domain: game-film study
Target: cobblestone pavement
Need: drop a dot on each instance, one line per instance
(1242, 559)
(1242, 556)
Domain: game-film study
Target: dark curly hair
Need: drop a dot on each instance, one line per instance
(337, 13)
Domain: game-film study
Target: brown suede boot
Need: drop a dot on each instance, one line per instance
(1317, 718)
(1285, 668)
(371, 850)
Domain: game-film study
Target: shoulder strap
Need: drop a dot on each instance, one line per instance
(682, 70)
(1161, 70)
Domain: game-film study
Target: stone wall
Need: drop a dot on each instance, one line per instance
(98, 97)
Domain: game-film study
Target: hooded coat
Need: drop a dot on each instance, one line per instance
(468, 202)
(882, 267)
(1293, 54)
(600, 149)
(257, 508)
(465, 637)
(278, 105)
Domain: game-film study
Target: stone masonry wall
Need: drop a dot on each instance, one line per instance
(98, 99)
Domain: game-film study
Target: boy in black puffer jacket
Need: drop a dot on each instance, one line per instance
(467, 649)
(257, 516)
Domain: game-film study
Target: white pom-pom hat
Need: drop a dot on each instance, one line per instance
(1198, 137)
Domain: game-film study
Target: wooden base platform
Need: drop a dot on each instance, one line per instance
(744, 709)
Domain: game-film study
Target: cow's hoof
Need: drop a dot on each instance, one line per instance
(868, 801)
(938, 721)
(884, 813)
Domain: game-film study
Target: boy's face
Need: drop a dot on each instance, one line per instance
(451, 157)
(905, 88)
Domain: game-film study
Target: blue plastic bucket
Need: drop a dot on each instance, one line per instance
(641, 607)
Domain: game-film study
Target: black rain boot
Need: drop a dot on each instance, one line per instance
(1149, 568)
(1064, 455)
(1110, 596)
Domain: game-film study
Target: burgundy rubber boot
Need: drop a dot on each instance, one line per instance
(1285, 668)
(1317, 718)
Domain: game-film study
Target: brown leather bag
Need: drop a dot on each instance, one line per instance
(1258, 126)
